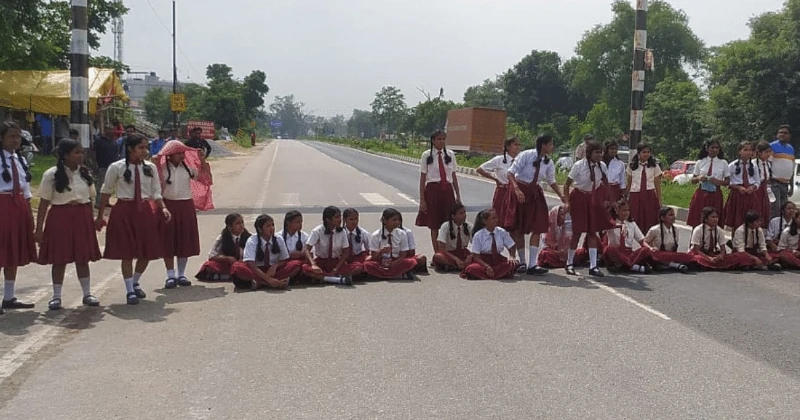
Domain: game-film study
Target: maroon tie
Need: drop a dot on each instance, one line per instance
(494, 244)
(15, 175)
(710, 167)
(330, 245)
(745, 178)
(442, 173)
(643, 182)
(458, 239)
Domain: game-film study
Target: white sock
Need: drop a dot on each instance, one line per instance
(593, 257)
(57, 290)
(8, 291)
(136, 277)
(521, 255)
(86, 285)
(636, 268)
(224, 276)
(674, 265)
(170, 274)
(534, 253)
(182, 262)
(332, 279)
(129, 285)
(570, 257)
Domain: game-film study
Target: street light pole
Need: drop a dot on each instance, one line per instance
(637, 85)
(79, 71)
(174, 68)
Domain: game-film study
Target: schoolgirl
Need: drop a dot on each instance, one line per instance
(617, 178)
(496, 169)
(588, 203)
(453, 242)
(663, 239)
(389, 246)
(294, 236)
(265, 262)
(132, 232)
(225, 251)
(619, 252)
(557, 241)
(708, 245)
(749, 241)
(778, 224)
(422, 261)
(789, 244)
(357, 237)
(644, 187)
(331, 247)
(16, 225)
(488, 241)
(438, 185)
(180, 237)
(66, 232)
(711, 172)
(743, 185)
(764, 167)
(530, 214)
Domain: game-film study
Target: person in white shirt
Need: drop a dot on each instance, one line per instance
(488, 242)
(748, 240)
(65, 221)
(619, 252)
(390, 252)
(743, 185)
(452, 252)
(331, 250)
(294, 236)
(496, 169)
(225, 251)
(663, 238)
(132, 232)
(438, 185)
(357, 237)
(761, 160)
(711, 172)
(789, 244)
(708, 245)
(644, 187)
(617, 182)
(778, 224)
(265, 260)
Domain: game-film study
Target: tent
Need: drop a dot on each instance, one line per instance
(48, 92)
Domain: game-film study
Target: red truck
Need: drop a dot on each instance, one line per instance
(476, 130)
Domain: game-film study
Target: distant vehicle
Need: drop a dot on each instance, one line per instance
(679, 167)
(476, 130)
(564, 162)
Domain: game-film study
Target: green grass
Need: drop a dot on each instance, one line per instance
(41, 164)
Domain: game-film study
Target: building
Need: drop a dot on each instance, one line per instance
(138, 84)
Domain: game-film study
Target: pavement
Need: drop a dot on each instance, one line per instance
(670, 346)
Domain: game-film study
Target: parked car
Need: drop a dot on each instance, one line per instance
(679, 167)
(564, 162)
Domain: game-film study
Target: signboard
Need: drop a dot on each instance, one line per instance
(275, 124)
(209, 132)
(177, 102)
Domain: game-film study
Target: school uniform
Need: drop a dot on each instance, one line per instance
(707, 194)
(213, 269)
(242, 275)
(711, 240)
(530, 216)
(358, 240)
(291, 242)
(489, 245)
(179, 236)
(617, 182)
(439, 193)
(458, 246)
(499, 166)
(16, 225)
(132, 231)
(69, 234)
(556, 243)
(788, 247)
(665, 240)
(739, 203)
(397, 241)
(643, 198)
(776, 227)
(589, 197)
(422, 261)
(328, 249)
(750, 242)
(622, 239)
(764, 169)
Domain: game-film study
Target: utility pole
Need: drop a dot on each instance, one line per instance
(79, 72)
(174, 69)
(637, 86)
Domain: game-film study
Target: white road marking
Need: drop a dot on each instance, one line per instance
(628, 299)
(262, 198)
(344, 202)
(376, 199)
(290, 200)
(409, 198)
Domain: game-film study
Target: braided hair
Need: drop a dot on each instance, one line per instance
(388, 214)
(291, 215)
(509, 141)
(8, 126)
(540, 142)
(65, 147)
(327, 215)
(274, 248)
(794, 227)
(447, 158)
(708, 212)
(169, 172)
(607, 158)
(662, 213)
(228, 246)
(480, 220)
(130, 143)
(464, 226)
(346, 214)
(750, 170)
(591, 146)
(651, 161)
(704, 150)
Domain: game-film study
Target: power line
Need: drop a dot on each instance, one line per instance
(169, 32)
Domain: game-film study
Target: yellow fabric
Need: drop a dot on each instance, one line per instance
(48, 92)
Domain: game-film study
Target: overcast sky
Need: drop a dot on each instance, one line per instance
(335, 54)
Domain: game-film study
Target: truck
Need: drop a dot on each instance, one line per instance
(476, 130)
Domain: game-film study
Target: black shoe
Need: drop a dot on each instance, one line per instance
(595, 272)
(409, 275)
(537, 271)
(523, 268)
(570, 270)
(132, 298)
(346, 280)
(683, 269)
(183, 281)
(775, 267)
(16, 304)
(139, 292)
(90, 300)
(171, 283)
(54, 304)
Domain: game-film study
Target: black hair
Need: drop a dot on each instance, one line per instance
(750, 170)
(229, 247)
(274, 248)
(131, 126)
(662, 213)
(346, 215)
(763, 146)
(590, 148)
(169, 171)
(509, 141)
(750, 217)
(614, 210)
(607, 145)
(540, 142)
(784, 205)
(74, 132)
(65, 147)
(651, 161)
(785, 127)
(291, 215)
(465, 226)
(131, 142)
(388, 214)
(327, 214)
(447, 158)
(8, 126)
(704, 150)
(480, 220)
(793, 227)
(708, 212)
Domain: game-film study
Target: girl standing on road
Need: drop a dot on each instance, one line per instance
(487, 244)
(389, 244)
(530, 214)
(438, 185)
(778, 224)
(644, 187)
(16, 224)
(789, 244)
(708, 245)
(743, 185)
(764, 167)
(711, 172)
(266, 260)
(557, 240)
(619, 252)
(617, 182)
(132, 232)
(226, 250)
(331, 246)
(453, 242)
(496, 169)
(294, 237)
(663, 239)
(748, 241)
(66, 232)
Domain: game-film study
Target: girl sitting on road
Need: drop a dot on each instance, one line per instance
(293, 235)
(488, 242)
(453, 242)
(789, 244)
(748, 241)
(390, 251)
(778, 224)
(557, 240)
(331, 250)
(357, 237)
(619, 252)
(226, 250)
(266, 260)
(708, 245)
(663, 238)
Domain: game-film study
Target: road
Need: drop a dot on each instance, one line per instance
(668, 346)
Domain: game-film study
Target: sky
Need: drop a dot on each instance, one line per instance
(333, 55)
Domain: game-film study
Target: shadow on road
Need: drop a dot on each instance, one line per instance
(190, 294)
(147, 310)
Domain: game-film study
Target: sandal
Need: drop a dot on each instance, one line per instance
(522, 269)
(171, 283)
(570, 270)
(132, 298)
(139, 292)
(183, 281)
(90, 300)
(54, 304)
(596, 272)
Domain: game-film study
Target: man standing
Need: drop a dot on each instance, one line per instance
(129, 131)
(106, 153)
(580, 151)
(782, 168)
(157, 143)
(197, 142)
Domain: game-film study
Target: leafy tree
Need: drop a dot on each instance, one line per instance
(104, 62)
(489, 94)
(430, 115)
(673, 118)
(290, 113)
(389, 108)
(599, 121)
(362, 125)
(535, 89)
(254, 89)
(157, 107)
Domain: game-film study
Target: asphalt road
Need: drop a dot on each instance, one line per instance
(667, 347)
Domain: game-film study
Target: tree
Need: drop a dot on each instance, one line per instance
(104, 62)
(673, 118)
(291, 115)
(430, 115)
(389, 108)
(362, 125)
(535, 89)
(489, 94)
(254, 88)
(157, 107)
(599, 121)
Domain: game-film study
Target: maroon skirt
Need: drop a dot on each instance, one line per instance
(374, 268)
(738, 204)
(700, 200)
(588, 211)
(729, 262)
(16, 232)
(614, 192)
(789, 260)
(210, 268)
(358, 259)
(242, 271)
(440, 202)
(132, 232)
(644, 209)
(550, 258)
(69, 236)
(764, 207)
(328, 264)
(500, 203)
(442, 261)
(179, 236)
(625, 257)
(666, 257)
(532, 215)
(502, 268)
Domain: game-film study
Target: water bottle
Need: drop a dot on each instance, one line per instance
(386, 259)
(771, 195)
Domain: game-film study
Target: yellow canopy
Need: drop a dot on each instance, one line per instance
(48, 92)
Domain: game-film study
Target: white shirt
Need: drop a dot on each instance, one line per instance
(291, 240)
(697, 238)
(25, 186)
(412, 243)
(788, 242)
(78, 190)
(636, 177)
(633, 235)
(432, 171)
(581, 177)
(737, 179)
(653, 237)
(719, 168)
(266, 245)
(775, 228)
(216, 247)
(180, 187)
(524, 170)
(482, 241)
(616, 173)
(115, 181)
(763, 169)
(496, 166)
(319, 241)
(357, 248)
(399, 241)
(754, 239)
(451, 244)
